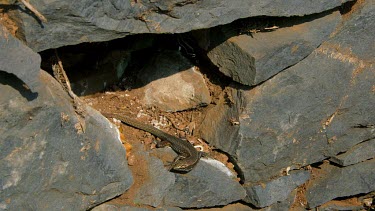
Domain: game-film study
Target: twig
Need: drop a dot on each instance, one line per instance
(62, 78)
(35, 11)
(60, 75)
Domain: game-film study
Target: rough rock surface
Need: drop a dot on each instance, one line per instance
(46, 162)
(287, 204)
(314, 110)
(320, 108)
(159, 180)
(252, 59)
(209, 184)
(275, 190)
(27, 65)
(339, 206)
(230, 207)
(119, 207)
(361, 152)
(172, 83)
(340, 182)
(93, 20)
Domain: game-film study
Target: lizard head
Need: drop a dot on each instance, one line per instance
(182, 167)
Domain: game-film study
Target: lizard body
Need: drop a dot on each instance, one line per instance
(188, 156)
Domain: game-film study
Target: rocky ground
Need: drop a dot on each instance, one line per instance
(279, 96)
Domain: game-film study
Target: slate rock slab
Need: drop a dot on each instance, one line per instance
(209, 184)
(172, 83)
(119, 207)
(229, 207)
(252, 59)
(287, 204)
(341, 182)
(18, 59)
(45, 162)
(339, 206)
(94, 20)
(361, 152)
(306, 113)
(276, 190)
(159, 180)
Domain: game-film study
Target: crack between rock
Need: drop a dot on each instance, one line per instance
(83, 193)
(364, 126)
(364, 141)
(167, 13)
(259, 84)
(236, 167)
(329, 120)
(186, 2)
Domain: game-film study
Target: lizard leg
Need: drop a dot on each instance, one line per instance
(205, 154)
(162, 144)
(172, 164)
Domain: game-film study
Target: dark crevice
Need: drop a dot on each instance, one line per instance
(335, 164)
(233, 160)
(317, 164)
(183, 3)
(364, 126)
(223, 206)
(83, 60)
(347, 7)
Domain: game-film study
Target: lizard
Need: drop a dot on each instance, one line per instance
(187, 157)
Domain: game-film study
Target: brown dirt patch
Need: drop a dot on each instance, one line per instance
(351, 202)
(7, 18)
(300, 200)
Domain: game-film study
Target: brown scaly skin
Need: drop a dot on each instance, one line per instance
(188, 156)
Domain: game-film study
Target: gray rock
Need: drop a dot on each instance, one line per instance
(359, 153)
(18, 59)
(341, 182)
(229, 207)
(216, 127)
(46, 162)
(286, 204)
(253, 59)
(159, 180)
(172, 83)
(306, 113)
(93, 20)
(118, 207)
(332, 206)
(209, 184)
(362, 24)
(276, 190)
